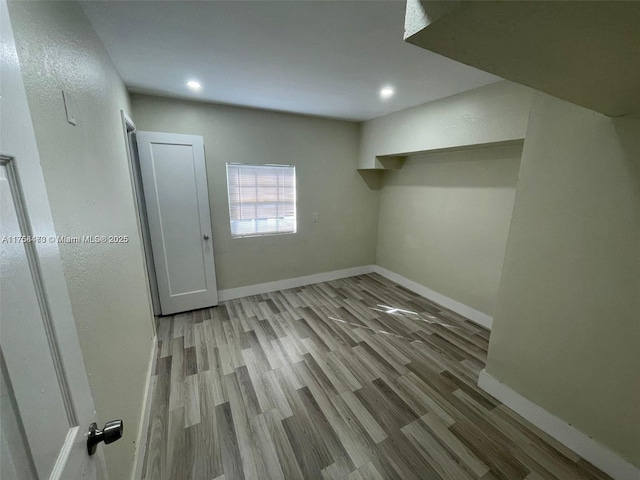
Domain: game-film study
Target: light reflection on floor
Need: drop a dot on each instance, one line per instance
(398, 312)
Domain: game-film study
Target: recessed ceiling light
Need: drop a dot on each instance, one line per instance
(387, 92)
(193, 85)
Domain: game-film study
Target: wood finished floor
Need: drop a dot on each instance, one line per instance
(327, 381)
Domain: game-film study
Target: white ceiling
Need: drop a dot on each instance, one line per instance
(326, 58)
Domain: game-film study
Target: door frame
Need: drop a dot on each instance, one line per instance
(129, 130)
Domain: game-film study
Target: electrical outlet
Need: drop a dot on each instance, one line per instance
(316, 217)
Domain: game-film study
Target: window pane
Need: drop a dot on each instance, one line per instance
(262, 199)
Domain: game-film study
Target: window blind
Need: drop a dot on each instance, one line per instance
(262, 199)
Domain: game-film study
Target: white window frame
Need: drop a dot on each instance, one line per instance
(295, 200)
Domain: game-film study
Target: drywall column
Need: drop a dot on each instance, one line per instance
(566, 332)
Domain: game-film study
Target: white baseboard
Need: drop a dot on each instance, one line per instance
(602, 457)
(285, 284)
(143, 430)
(472, 314)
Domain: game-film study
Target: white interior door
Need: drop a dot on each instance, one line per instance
(174, 180)
(45, 402)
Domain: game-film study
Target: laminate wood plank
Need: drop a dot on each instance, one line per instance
(228, 310)
(279, 352)
(177, 448)
(585, 466)
(361, 370)
(207, 448)
(483, 399)
(435, 380)
(265, 401)
(190, 361)
(230, 451)
(392, 355)
(535, 476)
(317, 334)
(290, 347)
(332, 472)
(381, 409)
(455, 446)
(155, 464)
(441, 461)
(241, 426)
(178, 325)
(328, 381)
(404, 459)
(491, 452)
(424, 354)
(267, 325)
(265, 343)
(342, 372)
(233, 344)
(554, 463)
(532, 431)
(248, 311)
(218, 385)
(265, 450)
(415, 391)
(288, 378)
(274, 391)
(371, 426)
(343, 328)
(322, 369)
(366, 472)
(249, 397)
(218, 336)
(202, 353)
(309, 450)
(177, 374)
(284, 451)
(191, 401)
(189, 340)
(325, 431)
(372, 362)
(347, 438)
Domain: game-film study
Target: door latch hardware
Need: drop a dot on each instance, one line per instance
(111, 432)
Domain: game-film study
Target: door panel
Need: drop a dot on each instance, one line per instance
(16, 462)
(177, 200)
(178, 210)
(35, 381)
(22, 322)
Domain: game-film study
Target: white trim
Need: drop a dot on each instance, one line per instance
(259, 288)
(602, 457)
(472, 314)
(143, 225)
(143, 430)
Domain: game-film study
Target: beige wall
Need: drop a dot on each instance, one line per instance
(444, 221)
(87, 177)
(566, 333)
(324, 153)
(489, 114)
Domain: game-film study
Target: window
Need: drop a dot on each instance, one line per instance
(262, 199)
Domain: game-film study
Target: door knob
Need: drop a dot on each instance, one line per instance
(111, 432)
(205, 236)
